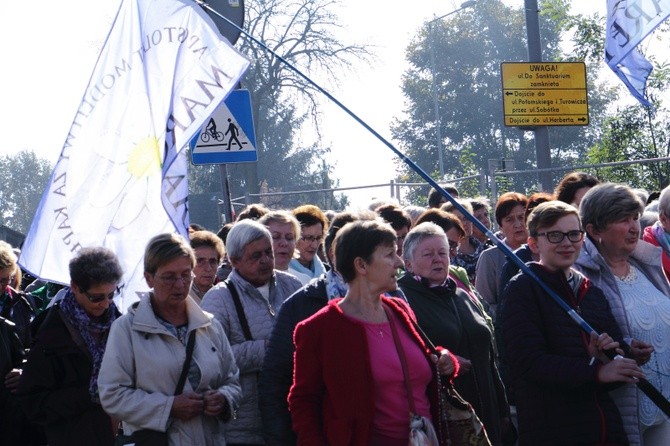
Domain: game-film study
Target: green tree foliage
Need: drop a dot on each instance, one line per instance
(635, 133)
(24, 178)
(469, 47)
(283, 104)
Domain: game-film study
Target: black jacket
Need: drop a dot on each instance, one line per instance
(14, 426)
(20, 309)
(509, 270)
(54, 387)
(453, 321)
(276, 375)
(559, 400)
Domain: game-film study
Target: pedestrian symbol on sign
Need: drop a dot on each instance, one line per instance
(233, 130)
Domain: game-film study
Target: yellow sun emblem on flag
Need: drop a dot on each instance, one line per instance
(145, 158)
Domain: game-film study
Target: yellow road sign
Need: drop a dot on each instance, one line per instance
(544, 93)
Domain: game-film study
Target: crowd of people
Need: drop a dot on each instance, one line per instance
(312, 327)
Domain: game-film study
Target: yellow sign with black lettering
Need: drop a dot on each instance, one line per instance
(544, 93)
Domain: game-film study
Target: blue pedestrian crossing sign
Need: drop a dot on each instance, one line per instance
(228, 135)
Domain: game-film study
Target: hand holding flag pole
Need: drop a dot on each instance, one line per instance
(644, 385)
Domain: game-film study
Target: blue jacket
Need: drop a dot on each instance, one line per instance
(277, 373)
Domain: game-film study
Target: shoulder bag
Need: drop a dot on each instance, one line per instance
(458, 424)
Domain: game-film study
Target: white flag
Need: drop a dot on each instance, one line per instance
(628, 23)
(122, 174)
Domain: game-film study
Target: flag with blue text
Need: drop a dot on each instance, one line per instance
(628, 23)
(121, 177)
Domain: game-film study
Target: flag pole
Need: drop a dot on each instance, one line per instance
(645, 386)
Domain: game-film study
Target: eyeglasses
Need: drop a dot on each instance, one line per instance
(172, 280)
(558, 236)
(95, 298)
(6, 280)
(311, 239)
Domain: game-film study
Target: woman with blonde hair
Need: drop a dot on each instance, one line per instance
(168, 368)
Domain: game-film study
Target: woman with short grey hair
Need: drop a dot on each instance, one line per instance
(629, 272)
(243, 233)
(417, 235)
(658, 234)
(457, 321)
(246, 304)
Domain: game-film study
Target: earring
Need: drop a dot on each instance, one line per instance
(600, 240)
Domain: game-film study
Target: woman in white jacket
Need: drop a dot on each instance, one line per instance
(146, 351)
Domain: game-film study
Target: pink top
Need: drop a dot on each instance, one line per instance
(391, 404)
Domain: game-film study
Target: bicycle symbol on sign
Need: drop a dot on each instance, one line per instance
(211, 132)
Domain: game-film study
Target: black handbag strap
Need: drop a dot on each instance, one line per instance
(240, 310)
(187, 363)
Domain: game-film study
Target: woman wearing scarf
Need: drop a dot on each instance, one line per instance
(313, 226)
(453, 320)
(659, 233)
(59, 385)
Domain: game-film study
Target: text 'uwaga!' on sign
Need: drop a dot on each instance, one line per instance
(547, 74)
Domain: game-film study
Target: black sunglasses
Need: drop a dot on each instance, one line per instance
(95, 298)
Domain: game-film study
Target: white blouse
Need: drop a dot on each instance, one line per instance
(648, 311)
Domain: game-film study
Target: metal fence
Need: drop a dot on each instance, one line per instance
(489, 182)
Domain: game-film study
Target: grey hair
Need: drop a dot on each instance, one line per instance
(414, 211)
(642, 194)
(654, 206)
(242, 233)
(418, 234)
(648, 218)
(609, 202)
(664, 201)
(450, 207)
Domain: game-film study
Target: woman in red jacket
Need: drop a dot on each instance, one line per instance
(349, 386)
